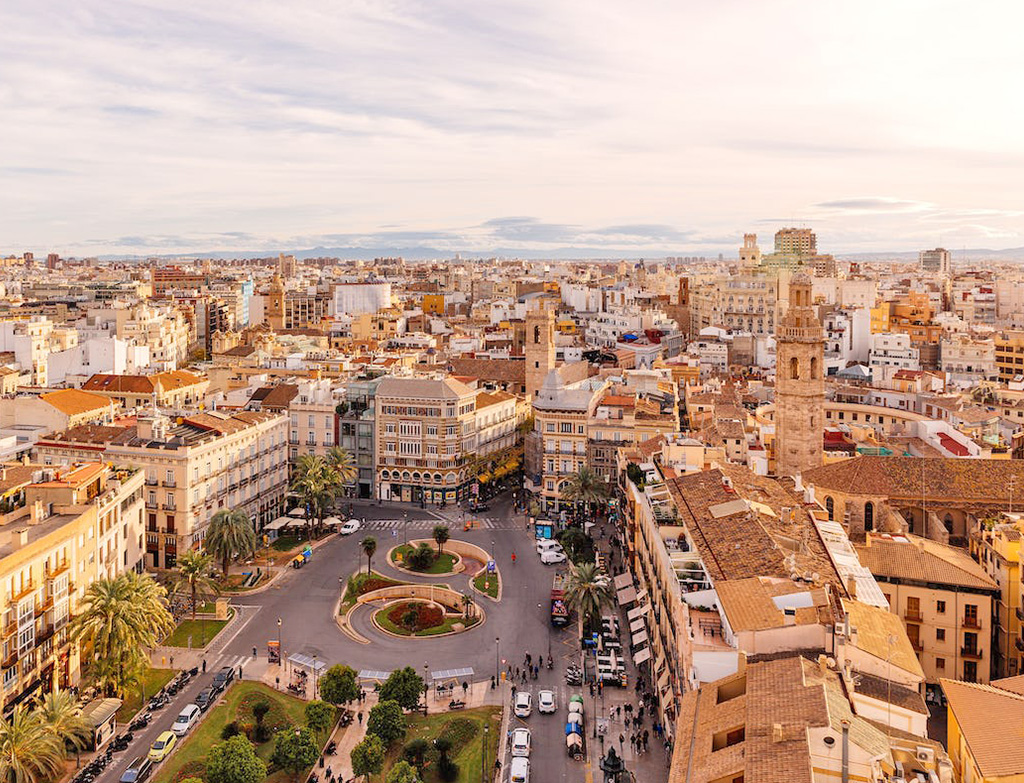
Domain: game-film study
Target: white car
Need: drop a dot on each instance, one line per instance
(523, 704)
(519, 770)
(350, 527)
(551, 557)
(521, 743)
(546, 702)
(186, 720)
(548, 545)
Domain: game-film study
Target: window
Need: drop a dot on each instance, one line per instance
(794, 368)
(565, 426)
(940, 607)
(940, 634)
(940, 664)
(726, 739)
(869, 516)
(830, 506)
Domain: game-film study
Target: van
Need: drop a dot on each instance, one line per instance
(186, 720)
(548, 545)
(519, 770)
(137, 771)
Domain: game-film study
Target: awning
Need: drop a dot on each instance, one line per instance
(298, 511)
(373, 674)
(663, 680)
(642, 655)
(641, 596)
(297, 523)
(278, 523)
(448, 674)
(635, 612)
(639, 638)
(623, 580)
(99, 711)
(626, 596)
(637, 625)
(333, 521)
(306, 662)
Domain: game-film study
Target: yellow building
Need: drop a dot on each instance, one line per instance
(1009, 355)
(983, 734)
(997, 549)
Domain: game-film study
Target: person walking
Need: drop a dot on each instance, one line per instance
(359, 717)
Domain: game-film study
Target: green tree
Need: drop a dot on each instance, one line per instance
(295, 750)
(63, 715)
(319, 716)
(230, 536)
(368, 756)
(441, 535)
(403, 686)
(118, 620)
(409, 619)
(344, 464)
(30, 752)
(576, 543)
(338, 684)
(415, 752)
(259, 712)
(403, 772)
(585, 486)
(194, 575)
(387, 721)
(234, 761)
(588, 590)
(369, 546)
(318, 483)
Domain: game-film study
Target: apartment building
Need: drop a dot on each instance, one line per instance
(194, 466)
(73, 526)
(946, 601)
(165, 331)
(981, 730)
(313, 418)
(967, 361)
(172, 389)
(357, 431)
(1009, 353)
(996, 547)
(743, 302)
(425, 439)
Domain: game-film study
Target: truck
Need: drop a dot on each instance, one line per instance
(559, 609)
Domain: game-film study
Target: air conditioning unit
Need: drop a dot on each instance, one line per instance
(925, 755)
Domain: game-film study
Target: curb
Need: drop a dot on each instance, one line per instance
(501, 585)
(457, 566)
(373, 620)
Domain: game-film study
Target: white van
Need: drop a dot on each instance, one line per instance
(186, 720)
(548, 545)
(519, 771)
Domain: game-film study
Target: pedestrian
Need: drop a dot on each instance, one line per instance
(524, 676)
(359, 717)
(492, 682)
(204, 666)
(513, 691)
(172, 661)
(517, 672)
(591, 684)
(647, 736)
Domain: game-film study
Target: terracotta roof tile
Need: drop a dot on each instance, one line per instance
(997, 753)
(72, 402)
(921, 560)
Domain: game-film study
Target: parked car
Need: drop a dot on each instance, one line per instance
(552, 557)
(519, 770)
(350, 527)
(137, 771)
(205, 698)
(186, 719)
(163, 746)
(546, 702)
(521, 742)
(223, 678)
(523, 704)
(548, 545)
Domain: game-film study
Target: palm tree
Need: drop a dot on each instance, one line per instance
(118, 618)
(441, 536)
(343, 463)
(30, 751)
(317, 482)
(230, 536)
(369, 546)
(194, 577)
(63, 715)
(585, 486)
(588, 590)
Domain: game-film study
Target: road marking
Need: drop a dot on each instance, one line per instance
(244, 622)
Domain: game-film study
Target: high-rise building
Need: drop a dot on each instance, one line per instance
(799, 383)
(796, 241)
(935, 261)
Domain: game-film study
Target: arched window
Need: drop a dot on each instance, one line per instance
(869, 517)
(384, 474)
(536, 334)
(794, 368)
(830, 506)
(947, 522)
(814, 367)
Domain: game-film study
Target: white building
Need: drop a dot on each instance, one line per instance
(891, 352)
(359, 298)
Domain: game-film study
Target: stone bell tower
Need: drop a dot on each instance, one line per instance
(799, 383)
(539, 348)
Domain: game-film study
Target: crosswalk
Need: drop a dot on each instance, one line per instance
(428, 524)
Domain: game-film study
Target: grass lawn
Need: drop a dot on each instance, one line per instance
(152, 681)
(487, 583)
(385, 622)
(465, 729)
(189, 759)
(441, 565)
(201, 631)
(288, 543)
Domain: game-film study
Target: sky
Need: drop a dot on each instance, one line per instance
(548, 127)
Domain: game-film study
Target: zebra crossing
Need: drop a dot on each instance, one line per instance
(429, 524)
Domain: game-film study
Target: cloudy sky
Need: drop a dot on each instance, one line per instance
(630, 128)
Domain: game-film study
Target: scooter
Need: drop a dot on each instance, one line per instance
(456, 704)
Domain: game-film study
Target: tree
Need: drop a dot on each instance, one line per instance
(259, 712)
(344, 464)
(338, 684)
(194, 576)
(235, 761)
(368, 756)
(387, 721)
(409, 619)
(369, 546)
(403, 772)
(585, 486)
(576, 543)
(318, 482)
(319, 716)
(441, 535)
(230, 536)
(421, 558)
(63, 716)
(118, 619)
(587, 591)
(295, 750)
(30, 752)
(403, 686)
(415, 752)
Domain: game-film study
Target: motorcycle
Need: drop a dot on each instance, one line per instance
(332, 747)
(551, 662)
(456, 704)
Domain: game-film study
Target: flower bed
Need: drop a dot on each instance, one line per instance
(427, 615)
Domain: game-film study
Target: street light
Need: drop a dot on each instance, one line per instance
(426, 669)
(483, 756)
(497, 670)
(315, 671)
(405, 528)
(280, 650)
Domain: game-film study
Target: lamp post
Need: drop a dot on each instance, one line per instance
(483, 755)
(405, 529)
(315, 677)
(497, 669)
(280, 650)
(426, 669)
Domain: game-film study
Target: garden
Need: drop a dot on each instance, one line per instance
(194, 634)
(488, 583)
(360, 584)
(421, 618)
(423, 559)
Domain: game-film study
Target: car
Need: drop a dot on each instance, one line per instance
(205, 698)
(163, 746)
(523, 704)
(186, 719)
(519, 770)
(350, 527)
(477, 507)
(552, 557)
(521, 742)
(137, 771)
(223, 678)
(546, 702)
(548, 545)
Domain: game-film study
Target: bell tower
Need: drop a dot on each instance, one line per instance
(539, 348)
(275, 304)
(799, 383)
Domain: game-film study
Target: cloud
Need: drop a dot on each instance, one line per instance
(876, 204)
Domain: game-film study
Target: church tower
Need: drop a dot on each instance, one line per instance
(275, 304)
(539, 349)
(799, 383)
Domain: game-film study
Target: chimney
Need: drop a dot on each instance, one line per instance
(789, 616)
(37, 513)
(799, 484)
(809, 494)
(144, 426)
(823, 664)
(777, 733)
(19, 539)
(741, 662)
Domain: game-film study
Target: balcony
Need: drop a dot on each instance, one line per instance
(169, 507)
(151, 482)
(9, 661)
(973, 653)
(1020, 613)
(52, 572)
(917, 644)
(170, 483)
(913, 616)
(970, 622)
(1019, 644)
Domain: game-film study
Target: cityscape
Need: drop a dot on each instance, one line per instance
(394, 393)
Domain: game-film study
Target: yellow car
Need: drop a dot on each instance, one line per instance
(164, 744)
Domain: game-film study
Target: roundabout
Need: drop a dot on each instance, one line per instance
(424, 618)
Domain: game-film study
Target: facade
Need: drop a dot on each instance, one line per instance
(313, 419)
(967, 361)
(996, 547)
(799, 384)
(981, 720)
(935, 262)
(539, 349)
(194, 467)
(172, 389)
(796, 241)
(744, 302)
(357, 432)
(1009, 355)
(361, 298)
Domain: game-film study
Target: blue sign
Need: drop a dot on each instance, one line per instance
(491, 567)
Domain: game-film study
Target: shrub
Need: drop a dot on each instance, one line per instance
(230, 730)
(447, 769)
(192, 770)
(458, 733)
(421, 558)
(415, 753)
(426, 615)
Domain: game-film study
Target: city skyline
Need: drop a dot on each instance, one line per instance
(522, 128)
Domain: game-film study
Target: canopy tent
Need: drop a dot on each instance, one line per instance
(314, 665)
(297, 522)
(639, 638)
(278, 523)
(298, 511)
(626, 595)
(635, 612)
(637, 625)
(331, 521)
(643, 654)
(623, 580)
